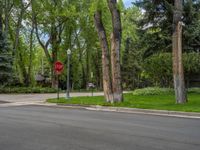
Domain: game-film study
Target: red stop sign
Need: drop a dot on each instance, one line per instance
(58, 67)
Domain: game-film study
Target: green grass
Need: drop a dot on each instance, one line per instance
(158, 102)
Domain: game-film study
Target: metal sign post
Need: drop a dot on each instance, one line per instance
(58, 87)
(92, 86)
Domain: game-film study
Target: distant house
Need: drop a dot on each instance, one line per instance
(42, 80)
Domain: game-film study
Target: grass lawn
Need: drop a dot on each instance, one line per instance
(158, 102)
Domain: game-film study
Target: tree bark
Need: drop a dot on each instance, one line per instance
(17, 31)
(1, 21)
(19, 23)
(178, 72)
(54, 39)
(54, 54)
(30, 55)
(7, 11)
(16, 51)
(115, 51)
(107, 84)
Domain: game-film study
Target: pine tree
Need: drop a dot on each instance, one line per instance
(130, 65)
(5, 60)
(156, 25)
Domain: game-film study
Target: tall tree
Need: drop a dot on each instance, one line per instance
(112, 84)
(107, 83)
(116, 36)
(49, 24)
(5, 55)
(131, 54)
(178, 73)
(156, 25)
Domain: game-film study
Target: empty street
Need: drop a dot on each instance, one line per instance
(51, 128)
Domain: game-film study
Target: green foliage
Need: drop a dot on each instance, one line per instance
(5, 60)
(148, 31)
(131, 67)
(156, 26)
(161, 91)
(131, 55)
(153, 91)
(194, 90)
(27, 90)
(129, 18)
(158, 67)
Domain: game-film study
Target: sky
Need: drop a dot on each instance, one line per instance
(127, 3)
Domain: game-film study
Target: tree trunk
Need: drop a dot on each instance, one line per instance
(17, 31)
(84, 83)
(54, 81)
(1, 21)
(16, 50)
(7, 7)
(178, 73)
(115, 51)
(22, 67)
(116, 71)
(54, 40)
(19, 23)
(54, 44)
(105, 57)
(30, 55)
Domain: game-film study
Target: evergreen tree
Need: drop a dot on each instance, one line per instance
(130, 66)
(5, 59)
(156, 25)
(131, 54)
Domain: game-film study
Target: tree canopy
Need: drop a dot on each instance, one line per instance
(34, 34)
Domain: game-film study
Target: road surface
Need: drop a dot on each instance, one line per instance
(49, 128)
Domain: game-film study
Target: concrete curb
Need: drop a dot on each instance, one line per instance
(112, 109)
(129, 110)
(151, 112)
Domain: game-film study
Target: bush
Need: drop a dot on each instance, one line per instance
(153, 91)
(160, 91)
(27, 90)
(158, 67)
(194, 90)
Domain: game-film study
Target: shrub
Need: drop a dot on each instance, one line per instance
(153, 91)
(194, 90)
(158, 67)
(160, 91)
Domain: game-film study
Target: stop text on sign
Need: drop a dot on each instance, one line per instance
(58, 67)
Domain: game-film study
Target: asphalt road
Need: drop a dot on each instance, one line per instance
(47, 128)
